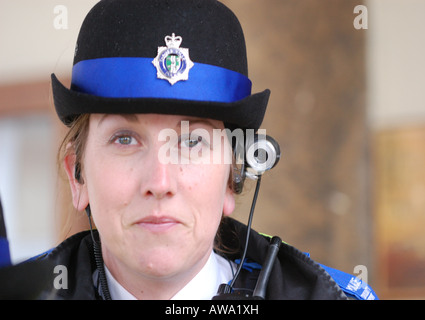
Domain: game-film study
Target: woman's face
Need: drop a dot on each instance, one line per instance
(156, 218)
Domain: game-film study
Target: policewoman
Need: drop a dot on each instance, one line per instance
(162, 229)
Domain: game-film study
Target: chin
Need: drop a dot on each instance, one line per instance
(160, 262)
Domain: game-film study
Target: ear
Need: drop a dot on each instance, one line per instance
(229, 202)
(80, 198)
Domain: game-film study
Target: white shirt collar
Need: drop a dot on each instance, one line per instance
(203, 286)
(116, 290)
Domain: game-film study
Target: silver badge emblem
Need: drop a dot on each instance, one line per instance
(172, 62)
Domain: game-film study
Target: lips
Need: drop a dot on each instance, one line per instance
(158, 223)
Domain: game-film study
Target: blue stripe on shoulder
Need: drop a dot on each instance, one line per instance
(351, 285)
(248, 265)
(41, 255)
(4, 252)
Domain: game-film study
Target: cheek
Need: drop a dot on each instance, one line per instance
(207, 189)
(110, 189)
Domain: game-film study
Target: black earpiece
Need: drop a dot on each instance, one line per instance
(259, 154)
(77, 173)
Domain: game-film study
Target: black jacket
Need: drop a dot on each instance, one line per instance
(294, 274)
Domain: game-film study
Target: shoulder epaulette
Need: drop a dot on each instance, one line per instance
(351, 285)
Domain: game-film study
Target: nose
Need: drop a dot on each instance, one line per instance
(159, 179)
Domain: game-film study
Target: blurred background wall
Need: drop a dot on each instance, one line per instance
(347, 107)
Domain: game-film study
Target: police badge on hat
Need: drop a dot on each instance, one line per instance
(172, 62)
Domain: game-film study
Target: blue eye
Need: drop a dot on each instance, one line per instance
(190, 142)
(124, 139)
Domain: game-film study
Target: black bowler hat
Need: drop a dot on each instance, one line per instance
(161, 56)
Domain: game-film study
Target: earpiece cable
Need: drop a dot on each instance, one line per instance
(251, 214)
(99, 261)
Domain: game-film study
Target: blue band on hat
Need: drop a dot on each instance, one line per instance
(128, 77)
